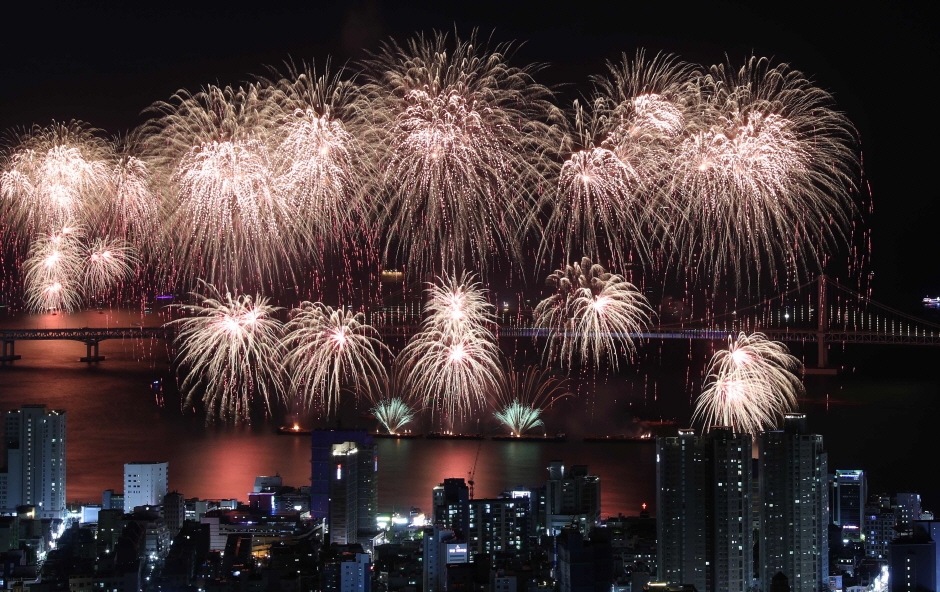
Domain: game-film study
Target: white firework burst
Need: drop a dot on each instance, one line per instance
(750, 385)
(229, 350)
(330, 350)
(593, 317)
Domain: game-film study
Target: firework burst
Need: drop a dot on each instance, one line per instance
(750, 385)
(230, 349)
(457, 305)
(330, 350)
(453, 373)
(53, 271)
(452, 364)
(108, 262)
(225, 219)
(393, 414)
(523, 397)
(52, 176)
(768, 157)
(321, 165)
(593, 315)
(608, 192)
(131, 211)
(463, 136)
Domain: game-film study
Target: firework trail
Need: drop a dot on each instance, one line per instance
(452, 364)
(463, 137)
(108, 262)
(53, 271)
(749, 386)
(523, 397)
(231, 350)
(330, 350)
(763, 180)
(52, 176)
(592, 316)
(226, 221)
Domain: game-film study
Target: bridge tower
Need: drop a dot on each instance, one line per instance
(8, 354)
(822, 327)
(91, 349)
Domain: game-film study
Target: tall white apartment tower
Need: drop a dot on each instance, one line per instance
(145, 484)
(794, 506)
(34, 472)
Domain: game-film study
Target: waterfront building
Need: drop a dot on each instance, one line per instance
(704, 498)
(145, 484)
(571, 497)
(344, 464)
(680, 502)
(794, 506)
(34, 440)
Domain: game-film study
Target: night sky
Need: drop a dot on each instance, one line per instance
(105, 64)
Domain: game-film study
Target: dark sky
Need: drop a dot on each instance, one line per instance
(105, 63)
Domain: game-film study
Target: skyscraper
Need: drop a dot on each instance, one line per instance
(849, 495)
(145, 484)
(332, 472)
(794, 506)
(34, 441)
(704, 534)
(680, 502)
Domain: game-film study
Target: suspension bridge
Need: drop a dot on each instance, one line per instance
(822, 311)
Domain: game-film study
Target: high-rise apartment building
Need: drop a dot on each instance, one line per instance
(571, 497)
(794, 506)
(34, 472)
(145, 484)
(451, 506)
(344, 483)
(680, 502)
(704, 498)
(502, 524)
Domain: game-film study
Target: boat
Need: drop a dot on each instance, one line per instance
(452, 436)
(934, 302)
(621, 438)
(293, 430)
(531, 438)
(398, 436)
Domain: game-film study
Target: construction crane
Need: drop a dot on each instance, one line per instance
(473, 470)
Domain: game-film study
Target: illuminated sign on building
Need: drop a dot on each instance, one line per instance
(457, 553)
